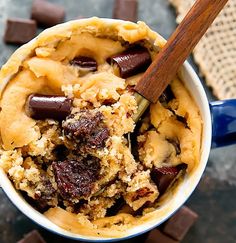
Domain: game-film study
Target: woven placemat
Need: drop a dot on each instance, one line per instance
(216, 52)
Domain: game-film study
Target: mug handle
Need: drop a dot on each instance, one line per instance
(223, 122)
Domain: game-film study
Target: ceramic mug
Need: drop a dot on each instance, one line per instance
(219, 129)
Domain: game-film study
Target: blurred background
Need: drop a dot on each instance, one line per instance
(214, 198)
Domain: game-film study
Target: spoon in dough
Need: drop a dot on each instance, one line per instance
(175, 52)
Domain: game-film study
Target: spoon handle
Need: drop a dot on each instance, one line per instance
(178, 48)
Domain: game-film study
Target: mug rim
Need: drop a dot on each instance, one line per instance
(193, 83)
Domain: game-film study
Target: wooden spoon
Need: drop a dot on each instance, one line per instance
(179, 46)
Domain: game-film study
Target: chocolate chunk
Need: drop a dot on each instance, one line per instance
(156, 236)
(47, 14)
(85, 63)
(41, 107)
(98, 138)
(132, 61)
(179, 224)
(86, 130)
(45, 194)
(167, 95)
(61, 152)
(77, 206)
(19, 31)
(182, 120)
(75, 178)
(164, 176)
(41, 206)
(125, 9)
(142, 192)
(32, 237)
(114, 209)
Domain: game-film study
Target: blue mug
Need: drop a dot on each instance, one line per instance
(224, 122)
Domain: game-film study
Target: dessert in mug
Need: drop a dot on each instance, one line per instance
(67, 102)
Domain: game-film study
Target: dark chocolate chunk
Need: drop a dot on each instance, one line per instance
(156, 236)
(126, 10)
(41, 206)
(132, 61)
(167, 95)
(19, 31)
(77, 206)
(61, 152)
(87, 130)
(75, 178)
(81, 124)
(47, 14)
(179, 224)
(85, 62)
(164, 176)
(45, 194)
(98, 138)
(114, 209)
(142, 192)
(41, 107)
(182, 120)
(108, 102)
(32, 237)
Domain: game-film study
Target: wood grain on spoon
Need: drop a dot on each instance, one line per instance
(178, 48)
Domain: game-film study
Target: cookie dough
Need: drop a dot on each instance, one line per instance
(79, 171)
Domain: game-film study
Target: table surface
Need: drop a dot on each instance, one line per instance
(214, 198)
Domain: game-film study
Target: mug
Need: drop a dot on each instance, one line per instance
(219, 129)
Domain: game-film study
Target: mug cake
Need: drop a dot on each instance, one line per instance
(67, 102)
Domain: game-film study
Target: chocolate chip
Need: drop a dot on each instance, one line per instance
(75, 178)
(77, 206)
(61, 152)
(41, 206)
(85, 63)
(47, 14)
(164, 176)
(86, 130)
(182, 120)
(99, 137)
(132, 61)
(108, 102)
(41, 107)
(19, 31)
(140, 193)
(156, 236)
(114, 209)
(32, 237)
(45, 194)
(125, 9)
(167, 95)
(180, 223)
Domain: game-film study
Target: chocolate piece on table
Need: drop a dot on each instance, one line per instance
(179, 224)
(132, 61)
(32, 237)
(47, 14)
(41, 107)
(164, 176)
(156, 236)
(85, 63)
(126, 10)
(19, 31)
